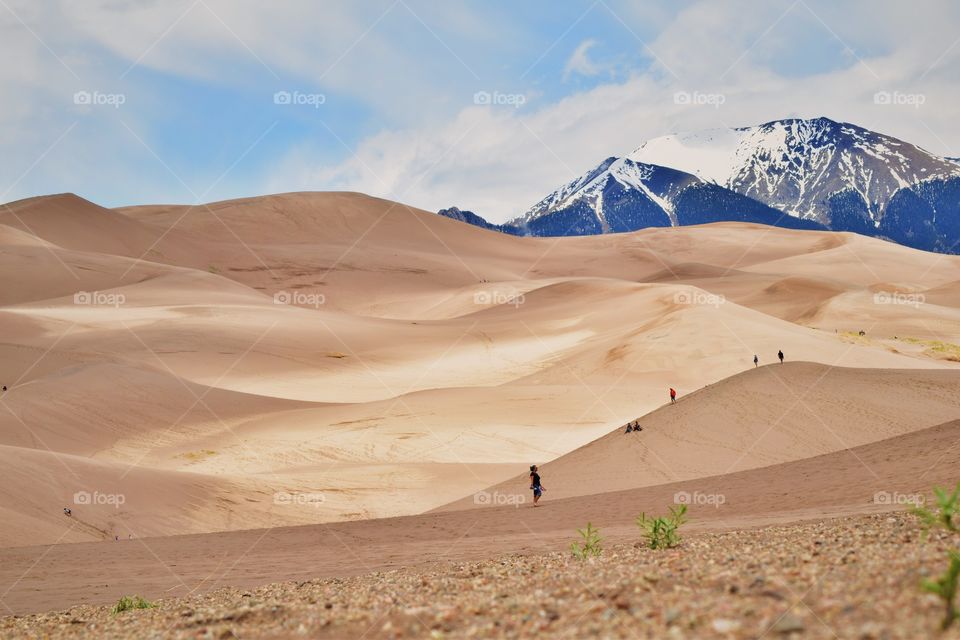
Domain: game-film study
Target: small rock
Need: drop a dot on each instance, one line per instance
(670, 616)
(870, 631)
(721, 625)
(788, 623)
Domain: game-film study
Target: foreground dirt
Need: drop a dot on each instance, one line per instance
(848, 578)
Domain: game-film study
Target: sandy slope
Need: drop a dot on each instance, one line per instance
(765, 416)
(834, 484)
(411, 359)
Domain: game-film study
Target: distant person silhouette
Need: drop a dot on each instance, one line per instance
(535, 484)
(629, 427)
(637, 427)
(673, 395)
(756, 360)
(67, 512)
(780, 355)
(4, 387)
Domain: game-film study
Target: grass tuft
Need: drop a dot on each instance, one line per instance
(591, 543)
(661, 532)
(942, 517)
(127, 603)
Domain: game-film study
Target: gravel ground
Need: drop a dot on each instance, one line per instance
(845, 578)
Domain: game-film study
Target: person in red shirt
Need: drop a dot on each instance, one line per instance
(673, 395)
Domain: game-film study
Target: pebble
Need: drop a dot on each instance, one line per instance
(722, 625)
(788, 623)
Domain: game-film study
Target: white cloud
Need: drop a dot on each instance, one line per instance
(580, 62)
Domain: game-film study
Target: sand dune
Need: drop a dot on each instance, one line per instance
(762, 417)
(392, 361)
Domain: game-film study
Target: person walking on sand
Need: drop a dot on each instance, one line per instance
(673, 396)
(535, 484)
(780, 355)
(756, 360)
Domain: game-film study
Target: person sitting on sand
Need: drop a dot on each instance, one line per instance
(780, 355)
(629, 427)
(637, 427)
(535, 484)
(67, 512)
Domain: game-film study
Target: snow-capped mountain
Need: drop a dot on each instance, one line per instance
(807, 174)
(624, 195)
(809, 168)
(793, 173)
(650, 189)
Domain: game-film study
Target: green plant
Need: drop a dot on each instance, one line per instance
(948, 504)
(591, 543)
(946, 587)
(661, 532)
(126, 603)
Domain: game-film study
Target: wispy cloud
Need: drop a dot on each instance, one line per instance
(580, 63)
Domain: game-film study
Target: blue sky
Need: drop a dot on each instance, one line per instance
(182, 92)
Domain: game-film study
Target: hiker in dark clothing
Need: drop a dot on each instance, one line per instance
(780, 355)
(756, 360)
(535, 484)
(629, 427)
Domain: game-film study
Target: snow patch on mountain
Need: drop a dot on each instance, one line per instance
(798, 165)
(709, 155)
(659, 184)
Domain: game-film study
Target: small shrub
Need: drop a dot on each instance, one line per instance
(946, 587)
(661, 532)
(948, 504)
(591, 543)
(126, 603)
